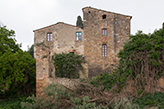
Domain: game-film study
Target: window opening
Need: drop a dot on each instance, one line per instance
(78, 36)
(89, 11)
(71, 52)
(104, 16)
(104, 50)
(49, 36)
(104, 31)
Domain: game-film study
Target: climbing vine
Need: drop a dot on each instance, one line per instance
(142, 60)
(68, 65)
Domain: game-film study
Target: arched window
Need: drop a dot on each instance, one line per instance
(49, 36)
(104, 31)
(104, 50)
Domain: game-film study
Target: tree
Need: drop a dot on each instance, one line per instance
(17, 68)
(7, 41)
(79, 22)
(31, 50)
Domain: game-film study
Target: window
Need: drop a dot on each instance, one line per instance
(78, 36)
(104, 50)
(71, 52)
(104, 31)
(49, 36)
(104, 16)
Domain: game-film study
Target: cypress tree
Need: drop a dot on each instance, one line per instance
(79, 22)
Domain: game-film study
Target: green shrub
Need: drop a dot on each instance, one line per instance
(54, 93)
(68, 65)
(151, 101)
(82, 103)
(140, 59)
(104, 79)
(122, 103)
(11, 104)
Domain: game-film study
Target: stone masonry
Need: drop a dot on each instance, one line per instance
(118, 30)
(102, 37)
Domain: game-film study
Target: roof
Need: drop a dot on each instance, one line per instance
(106, 11)
(56, 24)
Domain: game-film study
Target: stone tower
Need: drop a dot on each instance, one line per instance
(104, 36)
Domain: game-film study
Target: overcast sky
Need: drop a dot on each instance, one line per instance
(24, 16)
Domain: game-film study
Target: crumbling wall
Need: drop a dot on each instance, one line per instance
(63, 40)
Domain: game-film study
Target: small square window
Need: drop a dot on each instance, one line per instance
(78, 36)
(104, 31)
(49, 36)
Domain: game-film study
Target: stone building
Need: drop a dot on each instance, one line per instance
(101, 38)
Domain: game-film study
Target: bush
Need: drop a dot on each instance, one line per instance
(54, 93)
(151, 101)
(11, 104)
(105, 79)
(68, 65)
(141, 60)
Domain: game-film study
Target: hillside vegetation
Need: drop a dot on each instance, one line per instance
(141, 63)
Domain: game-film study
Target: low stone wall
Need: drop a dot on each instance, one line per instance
(68, 83)
(73, 83)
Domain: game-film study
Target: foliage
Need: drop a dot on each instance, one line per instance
(141, 60)
(79, 22)
(123, 103)
(7, 41)
(11, 104)
(68, 65)
(58, 97)
(82, 103)
(17, 68)
(104, 79)
(54, 93)
(31, 50)
(151, 101)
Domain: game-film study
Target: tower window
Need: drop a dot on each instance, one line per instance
(104, 50)
(89, 11)
(71, 52)
(78, 36)
(104, 31)
(49, 36)
(104, 16)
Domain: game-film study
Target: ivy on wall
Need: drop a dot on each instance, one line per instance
(68, 65)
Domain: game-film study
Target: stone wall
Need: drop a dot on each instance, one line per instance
(63, 40)
(118, 30)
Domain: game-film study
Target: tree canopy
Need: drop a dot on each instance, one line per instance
(17, 68)
(31, 50)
